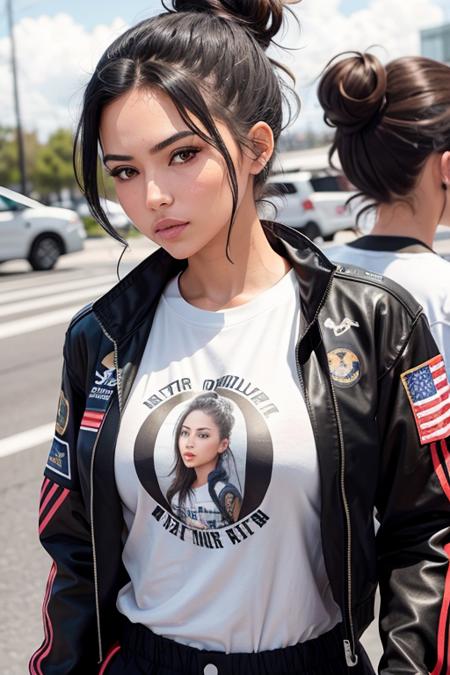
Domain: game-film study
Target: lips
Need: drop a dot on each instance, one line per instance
(168, 223)
(188, 455)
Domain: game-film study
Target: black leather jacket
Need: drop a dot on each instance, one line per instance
(369, 451)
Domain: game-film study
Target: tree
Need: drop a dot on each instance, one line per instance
(53, 170)
(9, 167)
(9, 157)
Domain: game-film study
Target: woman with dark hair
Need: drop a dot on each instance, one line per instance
(184, 111)
(201, 493)
(393, 140)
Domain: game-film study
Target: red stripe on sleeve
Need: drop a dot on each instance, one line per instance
(439, 469)
(36, 659)
(50, 494)
(442, 646)
(53, 510)
(108, 659)
(44, 485)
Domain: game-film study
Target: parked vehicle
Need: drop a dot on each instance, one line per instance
(313, 202)
(116, 215)
(35, 232)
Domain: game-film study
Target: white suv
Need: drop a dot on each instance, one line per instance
(313, 202)
(37, 233)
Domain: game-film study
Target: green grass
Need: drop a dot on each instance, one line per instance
(93, 229)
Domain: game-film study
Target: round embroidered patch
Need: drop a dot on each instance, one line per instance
(345, 366)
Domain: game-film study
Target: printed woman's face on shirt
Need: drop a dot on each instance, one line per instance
(199, 441)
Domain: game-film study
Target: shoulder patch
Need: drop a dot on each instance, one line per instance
(62, 416)
(428, 393)
(59, 458)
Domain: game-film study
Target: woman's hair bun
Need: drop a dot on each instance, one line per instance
(352, 92)
(261, 18)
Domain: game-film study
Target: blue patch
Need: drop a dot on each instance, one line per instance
(59, 458)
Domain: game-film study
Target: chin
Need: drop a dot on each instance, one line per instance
(180, 251)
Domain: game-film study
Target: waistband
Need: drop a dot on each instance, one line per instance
(322, 656)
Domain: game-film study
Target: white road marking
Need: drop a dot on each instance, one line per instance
(49, 289)
(21, 326)
(26, 439)
(40, 279)
(53, 300)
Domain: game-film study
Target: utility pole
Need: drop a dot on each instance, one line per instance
(20, 143)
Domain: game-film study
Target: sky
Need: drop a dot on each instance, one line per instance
(58, 43)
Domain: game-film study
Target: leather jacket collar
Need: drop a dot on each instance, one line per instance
(120, 313)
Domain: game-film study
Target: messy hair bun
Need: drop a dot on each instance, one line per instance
(388, 119)
(261, 18)
(352, 92)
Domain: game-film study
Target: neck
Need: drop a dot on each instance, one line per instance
(403, 220)
(202, 473)
(213, 283)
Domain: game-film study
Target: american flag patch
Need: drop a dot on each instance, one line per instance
(92, 420)
(428, 391)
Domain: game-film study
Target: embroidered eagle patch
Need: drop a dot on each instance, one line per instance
(59, 458)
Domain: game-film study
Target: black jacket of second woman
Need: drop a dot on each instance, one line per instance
(359, 334)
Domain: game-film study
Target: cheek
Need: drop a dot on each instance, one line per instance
(211, 180)
(126, 196)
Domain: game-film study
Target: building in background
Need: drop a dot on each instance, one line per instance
(435, 43)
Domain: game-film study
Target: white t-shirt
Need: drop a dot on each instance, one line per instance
(425, 275)
(234, 563)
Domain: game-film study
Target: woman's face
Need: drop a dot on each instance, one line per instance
(199, 441)
(171, 183)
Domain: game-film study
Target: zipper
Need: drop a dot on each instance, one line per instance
(94, 554)
(116, 363)
(351, 658)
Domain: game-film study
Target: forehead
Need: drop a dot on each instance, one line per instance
(139, 113)
(199, 418)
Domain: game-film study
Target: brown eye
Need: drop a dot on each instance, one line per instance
(123, 173)
(183, 156)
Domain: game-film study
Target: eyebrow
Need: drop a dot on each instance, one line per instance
(156, 148)
(198, 429)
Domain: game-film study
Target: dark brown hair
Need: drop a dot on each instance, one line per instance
(388, 120)
(209, 57)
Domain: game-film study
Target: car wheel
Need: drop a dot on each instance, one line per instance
(311, 230)
(44, 253)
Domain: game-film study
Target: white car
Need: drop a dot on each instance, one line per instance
(35, 232)
(313, 202)
(115, 213)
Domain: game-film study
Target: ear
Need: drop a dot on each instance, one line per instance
(261, 138)
(223, 445)
(445, 168)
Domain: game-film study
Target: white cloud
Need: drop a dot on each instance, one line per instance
(57, 54)
(393, 25)
(55, 58)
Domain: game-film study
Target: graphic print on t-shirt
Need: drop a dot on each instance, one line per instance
(206, 457)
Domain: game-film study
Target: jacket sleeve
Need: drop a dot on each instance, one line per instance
(413, 503)
(68, 612)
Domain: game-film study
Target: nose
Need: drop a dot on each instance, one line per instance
(157, 196)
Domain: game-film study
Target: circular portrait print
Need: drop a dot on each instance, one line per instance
(205, 457)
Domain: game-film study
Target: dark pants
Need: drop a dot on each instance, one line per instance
(141, 652)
